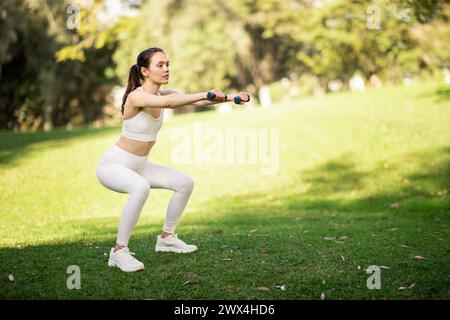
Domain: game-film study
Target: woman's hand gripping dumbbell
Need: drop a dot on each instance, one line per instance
(240, 98)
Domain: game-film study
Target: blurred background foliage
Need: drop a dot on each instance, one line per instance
(62, 63)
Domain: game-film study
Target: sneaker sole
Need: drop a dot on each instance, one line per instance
(112, 263)
(176, 250)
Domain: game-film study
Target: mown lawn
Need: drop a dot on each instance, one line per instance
(363, 180)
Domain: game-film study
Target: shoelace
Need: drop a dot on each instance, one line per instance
(179, 241)
(129, 255)
(132, 253)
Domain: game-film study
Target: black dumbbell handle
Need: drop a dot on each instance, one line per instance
(211, 96)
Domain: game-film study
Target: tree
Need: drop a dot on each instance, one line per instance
(36, 90)
(23, 60)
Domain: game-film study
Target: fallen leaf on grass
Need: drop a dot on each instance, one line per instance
(262, 289)
(264, 250)
(343, 259)
(253, 230)
(419, 258)
(394, 205)
(336, 239)
(406, 288)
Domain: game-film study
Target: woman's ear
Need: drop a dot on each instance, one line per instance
(145, 72)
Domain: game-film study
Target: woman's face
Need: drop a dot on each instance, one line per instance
(159, 68)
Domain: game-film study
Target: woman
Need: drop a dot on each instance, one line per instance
(125, 169)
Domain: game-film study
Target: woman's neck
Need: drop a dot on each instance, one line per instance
(150, 87)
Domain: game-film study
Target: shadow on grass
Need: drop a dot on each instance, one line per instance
(443, 94)
(427, 184)
(306, 238)
(15, 145)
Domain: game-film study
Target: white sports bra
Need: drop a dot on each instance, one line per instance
(142, 126)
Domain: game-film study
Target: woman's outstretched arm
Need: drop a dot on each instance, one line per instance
(204, 103)
(143, 99)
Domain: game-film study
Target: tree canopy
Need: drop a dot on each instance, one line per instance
(59, 61)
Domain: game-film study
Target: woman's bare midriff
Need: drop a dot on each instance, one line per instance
(140, 148)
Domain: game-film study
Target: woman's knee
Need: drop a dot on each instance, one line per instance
(186, 183)
(142, 188)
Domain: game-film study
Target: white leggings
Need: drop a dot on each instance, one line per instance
(125, 172)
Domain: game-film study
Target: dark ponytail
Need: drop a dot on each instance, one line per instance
(135, 76)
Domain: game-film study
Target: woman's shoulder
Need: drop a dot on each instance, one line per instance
(135, 97)
(139, 91)
(131, 100)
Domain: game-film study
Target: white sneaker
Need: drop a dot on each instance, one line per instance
(173, 244)
(124, 260)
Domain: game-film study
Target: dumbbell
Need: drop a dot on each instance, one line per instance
(211, 96)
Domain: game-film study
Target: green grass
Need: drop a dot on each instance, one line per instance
(344, 159)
